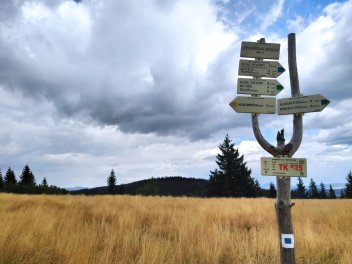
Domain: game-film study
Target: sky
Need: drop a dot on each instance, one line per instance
(143, 87)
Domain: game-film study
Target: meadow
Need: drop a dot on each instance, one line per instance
(136, 229)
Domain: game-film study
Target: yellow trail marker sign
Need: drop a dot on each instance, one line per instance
(255, 105)
(288, 167)
(260, 50)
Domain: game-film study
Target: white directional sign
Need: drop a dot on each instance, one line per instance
(258, 68)
(287, 167)
(258, 86)
(303, 104)
(260, 50)
(258, 105)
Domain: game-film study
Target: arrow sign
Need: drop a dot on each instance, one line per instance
(257, 68)
(258, 86)
(260, 50)
(284, 167)
(256, 105)
(303, 104)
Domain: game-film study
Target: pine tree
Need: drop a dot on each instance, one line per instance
(272, 190)
(27, 177)
(313, 190)
(301, 192)
(233, 178)
(44, 182)
(111, 182)
(348, 189)
(322, 192)
(332, 194)
(2, 184)
(10, 177)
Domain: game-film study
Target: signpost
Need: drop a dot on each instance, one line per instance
(242, 104)
(260, 68)
(302, 104)
(258, 86)
(287, 167)
(281, 165)
(260, 50)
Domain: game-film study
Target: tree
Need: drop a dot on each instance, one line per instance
(313, 190)
(111, 182)
(232, 178)
(27, 177)
(301, 192)
(322, 192)
(44, 182)
(332, 194)
(348, 189)
(10, 177)
(272, 190)
(2, 184)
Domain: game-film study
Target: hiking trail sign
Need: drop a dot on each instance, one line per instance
(283, 166)
(258, 86)
(302, 104)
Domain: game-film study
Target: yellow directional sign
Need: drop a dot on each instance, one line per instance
(258, 86)
(271, 69)
(260, 50)
(302, 104)
(287, 167)
(255, 105)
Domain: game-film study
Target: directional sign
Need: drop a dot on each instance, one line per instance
(258, 86)
(303, 104)
(287, 167)
(258, 105)
(258, 68)
(260, 50)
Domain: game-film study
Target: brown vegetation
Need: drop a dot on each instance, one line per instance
(126, 229)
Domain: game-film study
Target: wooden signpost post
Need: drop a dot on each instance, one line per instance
(282, 165)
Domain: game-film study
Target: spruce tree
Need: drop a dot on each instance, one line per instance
(301, 192)
(313, 190)
(10, 177)
(44, 182)
(232, 178)
(348, 189)
(272, 190)
(332, 194)
(2, 184)
(27, 177)
(322, 192)
(111, 182)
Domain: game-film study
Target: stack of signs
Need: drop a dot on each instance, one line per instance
(256, 86)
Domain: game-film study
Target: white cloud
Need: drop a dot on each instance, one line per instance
(272, 16)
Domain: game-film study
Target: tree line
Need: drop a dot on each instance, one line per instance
(26, 183)
(233, 178)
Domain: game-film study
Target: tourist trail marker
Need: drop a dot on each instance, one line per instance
(258, 68)
(255, 105)
(258, 86)
(282, 166)
(260, 50)
(302, 104)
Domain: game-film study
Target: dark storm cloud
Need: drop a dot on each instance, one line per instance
(139, 69)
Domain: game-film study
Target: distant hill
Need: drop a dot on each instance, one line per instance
(173, 186)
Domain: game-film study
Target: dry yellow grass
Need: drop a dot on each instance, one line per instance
(126, 229)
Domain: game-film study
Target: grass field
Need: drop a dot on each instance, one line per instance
(135, 229)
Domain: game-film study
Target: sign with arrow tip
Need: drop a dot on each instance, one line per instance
(302, 104)
(256, 68)
(258, 86)
(255, 105)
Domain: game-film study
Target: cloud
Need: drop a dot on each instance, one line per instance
(143, 69)
(272, 16)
